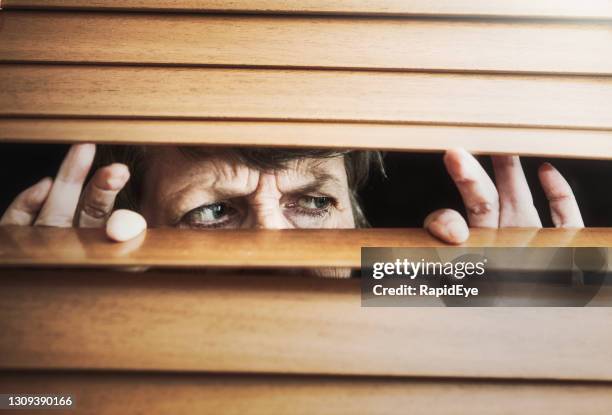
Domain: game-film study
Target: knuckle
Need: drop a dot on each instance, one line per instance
(95, 212)
(560, 198)
(96, 207)
(56, 221)
(481, 208)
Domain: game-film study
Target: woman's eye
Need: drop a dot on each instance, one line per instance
(314, 202)
(209, 214)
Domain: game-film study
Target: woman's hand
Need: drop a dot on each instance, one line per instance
(63, 202)
(508, 203)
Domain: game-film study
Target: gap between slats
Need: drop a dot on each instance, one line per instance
(186, 394)
(587, 9)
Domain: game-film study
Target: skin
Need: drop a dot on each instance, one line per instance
(310, 193)
(249, 198)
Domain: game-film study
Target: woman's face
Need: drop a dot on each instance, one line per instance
(216, 191)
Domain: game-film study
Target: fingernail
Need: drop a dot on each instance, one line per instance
(547, 166)
(42, 188)
(121, 169)
(86, 151)
(116, 183)
(124, 225)
(458, 232)
(44, 180)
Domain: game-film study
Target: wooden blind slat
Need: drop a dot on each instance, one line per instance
(440, 45)
(187, 394)
(223, 323)
(167, 247)
(38, 90)
(396, 137)
(592, 9)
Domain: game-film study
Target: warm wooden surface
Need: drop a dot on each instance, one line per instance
(166, 247)
(592, 9)
(395, 137)
(103, 393)
(222, 323)
(396, 44)
(85, 91)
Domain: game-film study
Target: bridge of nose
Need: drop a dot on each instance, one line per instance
(265, 208)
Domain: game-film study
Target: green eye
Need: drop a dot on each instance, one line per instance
(218, 210)
(314, 202)
(209, 214)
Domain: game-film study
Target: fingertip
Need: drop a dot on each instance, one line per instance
(453, 154)
(124, 225)
(552, 180)
(119, 176)
(457, 151)
(115, 184)
(121, 170)
(77, 163)
(447, 225)
(546, 167)
(27, 204)
(85, 151)
(451, 232)
(458, 163)
(40, 191)
(85, 148)
(112, 177)
(505, 160)
(458, 232)
(45, 183)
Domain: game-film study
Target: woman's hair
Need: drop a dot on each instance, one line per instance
(359, 166)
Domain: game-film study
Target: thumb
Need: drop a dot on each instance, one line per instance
(124, 225)
(447, 225)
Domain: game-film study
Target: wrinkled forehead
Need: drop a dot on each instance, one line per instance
(210, 167)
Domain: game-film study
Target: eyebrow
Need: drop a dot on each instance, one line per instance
(319, 182)
(321, 179)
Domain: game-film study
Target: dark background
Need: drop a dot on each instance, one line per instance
(417, 184)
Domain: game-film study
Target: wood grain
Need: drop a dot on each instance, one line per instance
(112, 393)
(205, 93)
(590, 9)
(275, 324)
(317, 42)
(167, 247)
(394, 137)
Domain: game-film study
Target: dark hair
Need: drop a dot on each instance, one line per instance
(359, 166)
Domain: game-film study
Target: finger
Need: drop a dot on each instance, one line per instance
(124, 225)
(563, 206)
(100, 194)
(447, 225)
(516, 203)
(23, 210)
(476, 187)
(60, 206)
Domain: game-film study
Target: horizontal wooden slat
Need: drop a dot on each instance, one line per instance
(101, 393)
(395, 137)
(84, 91)
(395, 44)
(592, 9)
(167, 247)
(248, 324)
